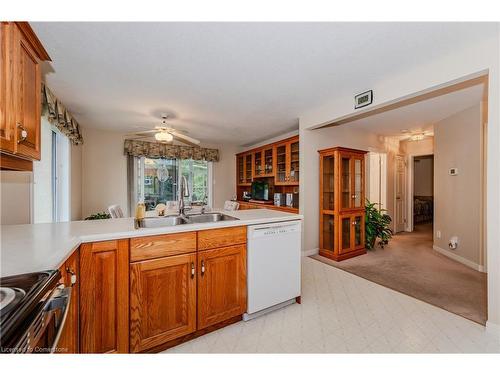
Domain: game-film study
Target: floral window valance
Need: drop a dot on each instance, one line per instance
(161, 150)
(59, 116)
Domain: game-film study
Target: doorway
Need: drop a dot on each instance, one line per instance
(422, 192)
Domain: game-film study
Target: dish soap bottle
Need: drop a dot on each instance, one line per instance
(140, 213)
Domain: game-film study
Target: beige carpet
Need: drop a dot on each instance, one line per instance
(410, 266)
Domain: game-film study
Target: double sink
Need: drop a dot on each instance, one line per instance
(168, 221)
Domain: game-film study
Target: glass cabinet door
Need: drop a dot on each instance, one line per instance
(248, 168)
(328, 182)
(281, 163)
(345, 233)
(345, 181)
(358, 231)
(357, 194)
(257, 164)
(294, 162)
(328, 229)
(241, 169)
(268, 161)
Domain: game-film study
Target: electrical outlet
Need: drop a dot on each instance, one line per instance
(438, 234)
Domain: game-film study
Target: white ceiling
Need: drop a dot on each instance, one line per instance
(420, 116)
(228, 82)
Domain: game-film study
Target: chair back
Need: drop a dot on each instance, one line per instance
(231, 206)
(115, 211)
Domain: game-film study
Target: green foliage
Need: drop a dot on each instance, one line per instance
(376, 226)
(99, 216)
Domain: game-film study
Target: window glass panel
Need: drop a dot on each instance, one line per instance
(158, 180)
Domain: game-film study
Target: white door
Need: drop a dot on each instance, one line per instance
(400, 222)
(377, 179)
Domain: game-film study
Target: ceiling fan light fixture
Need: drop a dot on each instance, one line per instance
(417, 137)
(164, 137)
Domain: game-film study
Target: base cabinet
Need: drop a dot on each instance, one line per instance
(145, 294)
(162, 300)
(104, 297)
(70, 272)
(222, 290)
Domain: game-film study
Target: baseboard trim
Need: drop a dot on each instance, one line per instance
(460, 259)
(308, 253)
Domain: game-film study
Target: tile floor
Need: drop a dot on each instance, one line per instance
(343, 313)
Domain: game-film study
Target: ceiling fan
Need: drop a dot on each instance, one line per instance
(164, 134)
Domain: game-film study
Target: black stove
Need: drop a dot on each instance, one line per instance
(27, 307)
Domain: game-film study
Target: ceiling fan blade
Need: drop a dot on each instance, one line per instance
(184, 138)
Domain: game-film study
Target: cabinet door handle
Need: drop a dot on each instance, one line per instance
(192, 270)
(24, 133)
(202, 267)
(73, 275)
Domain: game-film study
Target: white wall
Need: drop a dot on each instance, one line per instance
(422, 147)
(76, 182)
(104, 177)
(16, 197)
(104, 171)
(42, 177)
(310, 143)
(224, 174)
(464, 62)
(457, 199)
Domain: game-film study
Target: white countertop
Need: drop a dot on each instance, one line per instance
(39, 247)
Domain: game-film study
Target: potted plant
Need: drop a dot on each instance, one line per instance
(376, 226)
(99, 216)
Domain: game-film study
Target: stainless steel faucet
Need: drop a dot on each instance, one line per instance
(183, 193)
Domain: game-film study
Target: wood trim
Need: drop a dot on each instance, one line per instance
(142, 248)
(215, 238)
(429, 94)
(251, 205)
(269, 145)
(13, 163)
(30, 35)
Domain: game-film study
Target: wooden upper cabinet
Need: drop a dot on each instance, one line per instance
(222, 289)
(20, 90)
(287, 162)
(263, 162)
(162, 300)
(69, 341)
(244, 172)
(104, 297)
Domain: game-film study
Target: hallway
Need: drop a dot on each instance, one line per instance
(410, 265)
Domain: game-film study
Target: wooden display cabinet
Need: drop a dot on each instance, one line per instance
(342, 197)
(287, 162)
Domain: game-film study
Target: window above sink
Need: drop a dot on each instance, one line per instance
(157, 181)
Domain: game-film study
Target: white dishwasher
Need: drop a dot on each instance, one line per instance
(273, 266)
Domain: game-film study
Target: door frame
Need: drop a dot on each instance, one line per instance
(405, 189)
(411, 179)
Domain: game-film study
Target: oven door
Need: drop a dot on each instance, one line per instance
(45, 331)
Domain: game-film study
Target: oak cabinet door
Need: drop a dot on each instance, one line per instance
(162, 300)
(7, 117)
(222, 290)
(69, 341)
(104, 297)
(27, 97)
